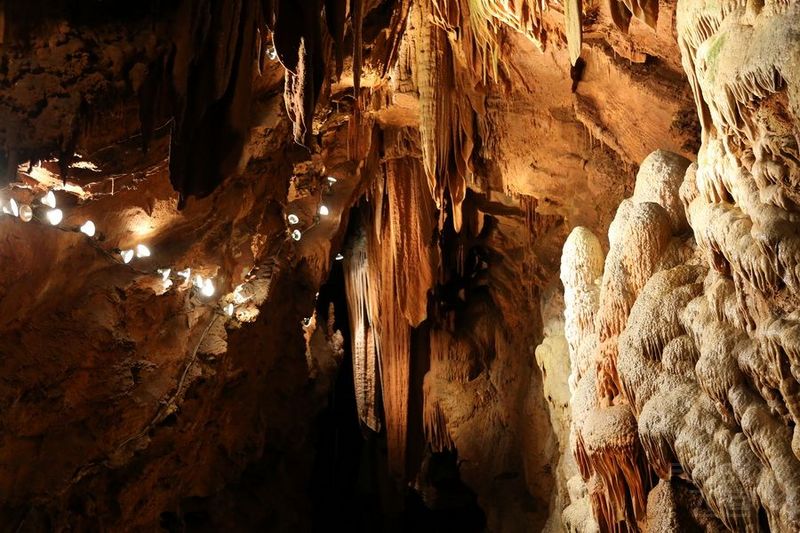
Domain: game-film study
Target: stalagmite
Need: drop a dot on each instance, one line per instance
(581, 270)
(643, 233)
(659, 176)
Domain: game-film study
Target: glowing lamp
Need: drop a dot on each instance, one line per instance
(229, 309)
(339, 257)
(208, 288)
(54, 216)
(293, 219)
(127, 255)
(88, 228)
(142, 251)
(323, 210)
(49, 200)
(241, 294)
(296, 235)
(25, 213)
(331, 180)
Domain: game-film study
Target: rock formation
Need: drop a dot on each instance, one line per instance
(474, 265)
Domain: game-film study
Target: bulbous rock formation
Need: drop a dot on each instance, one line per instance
(703, 339)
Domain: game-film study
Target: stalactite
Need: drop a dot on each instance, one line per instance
(363, 333)
(573, 14)
(415, 260)
(623, 10)
(451, 38)
(405, 263)
(212, 112)
(298, 42)
(357, 8)
(612, 447)
(388, 281)
(336, 14)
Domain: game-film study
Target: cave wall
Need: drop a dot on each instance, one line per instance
(696, 347)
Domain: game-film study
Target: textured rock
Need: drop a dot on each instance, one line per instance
(480, 152)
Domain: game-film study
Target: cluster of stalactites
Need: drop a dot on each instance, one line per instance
(612, 448)
(457, 47)
(301, 35)
(446, 123)
(732, 65)
(622, 11)
(477, 25)
(389, 268)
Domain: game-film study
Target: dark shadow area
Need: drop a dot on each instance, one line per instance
(350, 488)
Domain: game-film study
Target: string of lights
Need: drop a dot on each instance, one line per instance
(47, 211)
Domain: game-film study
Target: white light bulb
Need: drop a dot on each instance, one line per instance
(241, 294)
(142, 251)
(186, 273)
(14, 208)
(331, 180)
(198, 281)
(229, 309)
(208, 288)
(88, 228)
(54, 216)
(25, 213)
(127, 255)
(293, 219)
(49, 200)
(339, 257)
(323, 210)
(296, 235)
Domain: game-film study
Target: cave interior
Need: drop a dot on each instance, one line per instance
(400, 265)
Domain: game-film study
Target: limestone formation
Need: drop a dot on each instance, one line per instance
(462, 265)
